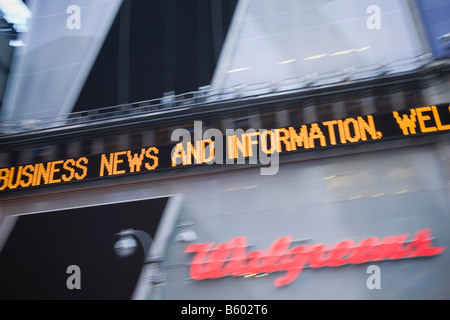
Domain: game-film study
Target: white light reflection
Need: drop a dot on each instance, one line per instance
(342, 52)
(377, 195)
(16, 13)
(316, 56)
(287, 61)
(238, 69)
(16, 43)
(337, 53)
(362, 49)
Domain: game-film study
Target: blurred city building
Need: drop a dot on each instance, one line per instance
(134, 72)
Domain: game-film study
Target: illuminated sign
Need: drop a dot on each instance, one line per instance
(231, 259)
(228, 148)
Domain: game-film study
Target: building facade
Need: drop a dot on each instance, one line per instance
(356, 206)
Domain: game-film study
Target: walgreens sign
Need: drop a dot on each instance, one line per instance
(232, 259)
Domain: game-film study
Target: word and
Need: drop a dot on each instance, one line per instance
(231, 259)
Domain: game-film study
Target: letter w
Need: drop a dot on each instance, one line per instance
(135, 161)
(406, 122)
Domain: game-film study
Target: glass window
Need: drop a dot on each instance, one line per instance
(295, 115)
(136, 140)
(353, 105)
(324, 108)
(86, 147)
(317, 40)
(268, 120)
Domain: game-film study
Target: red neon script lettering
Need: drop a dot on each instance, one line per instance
(231, 259)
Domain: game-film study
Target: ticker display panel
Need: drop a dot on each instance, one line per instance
(227, 148)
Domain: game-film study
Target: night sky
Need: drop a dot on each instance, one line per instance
(172, 47)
